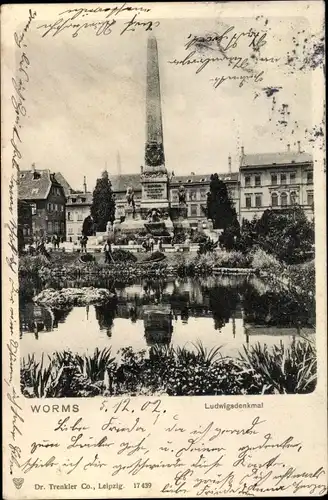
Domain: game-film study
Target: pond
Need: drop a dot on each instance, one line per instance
(231, 312)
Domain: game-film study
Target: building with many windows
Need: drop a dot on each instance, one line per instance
(77, 209)
(42, 191)
(196, 189)
(275, 180)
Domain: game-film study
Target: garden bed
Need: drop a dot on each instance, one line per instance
(175, 372)
(73, 297)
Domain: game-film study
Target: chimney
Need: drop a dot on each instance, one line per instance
(229, 163)
(192, 173)
(288, 148)
(85, 184)
(242, 151)
(33, 167)
(299, 146)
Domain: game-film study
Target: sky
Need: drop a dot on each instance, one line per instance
(86, 97)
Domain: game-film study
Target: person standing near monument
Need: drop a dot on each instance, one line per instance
(108, 252)
(83, 243)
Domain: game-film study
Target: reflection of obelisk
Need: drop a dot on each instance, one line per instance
(154, 175)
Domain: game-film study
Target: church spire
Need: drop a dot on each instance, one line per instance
(118, 163)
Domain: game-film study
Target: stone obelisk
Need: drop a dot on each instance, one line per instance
(154, 154)
(154, 176)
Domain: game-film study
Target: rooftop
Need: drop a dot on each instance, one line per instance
(199, 178)
(61, 179)
(120, 183)
(35, 184)
(283, 158)
(80, 198)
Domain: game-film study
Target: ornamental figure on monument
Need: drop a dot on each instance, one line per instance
(154, 156)
(154, 215)
(130, 198)
(182, 195)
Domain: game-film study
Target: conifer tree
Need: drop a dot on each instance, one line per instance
(220, 208)
(103, 203)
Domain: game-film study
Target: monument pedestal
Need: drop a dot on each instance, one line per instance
(154, 192)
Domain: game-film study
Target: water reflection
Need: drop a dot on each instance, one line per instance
(231, 312)
(158, 325)
(105, 315)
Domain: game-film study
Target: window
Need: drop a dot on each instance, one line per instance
(258, 200)
(292, 178)
(174, 195)
(203, 194)
(247, 180)
(257, 180)
(248, 200)
(70, 230)
(274, 200)
(283, 199)
(68, 215)
(83, 200)
(49, 207)
(293, 198)
(310, 198)
(56, 226)
(73, 200)
(33, 207)
(79, 216)
(193, 210)
(283, 179)
(309, 176)
(62, 227)
(55, 207)
(193, 195)
(274, 179)
(49, 227)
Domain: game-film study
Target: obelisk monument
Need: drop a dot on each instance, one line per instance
(154, 176)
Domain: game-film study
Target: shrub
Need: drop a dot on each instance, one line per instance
(207, 246)
(198, 237)
(155, 256)
(121, 255)
(232, 259)
(284, 370)
(32, 264)
(87, 257)
(263, 261)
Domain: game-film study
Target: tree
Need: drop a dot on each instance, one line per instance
(103, 203)
(287, 234)
(220, 208)
(88, 226)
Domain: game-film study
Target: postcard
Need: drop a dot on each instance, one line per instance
(163, 250)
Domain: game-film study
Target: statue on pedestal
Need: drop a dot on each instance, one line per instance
(109, 227)
(130, 199)
(182, 195)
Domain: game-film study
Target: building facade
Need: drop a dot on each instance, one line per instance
(196, 189)
(42, 191)
(24, 220)
(77, 209)
(275, 181)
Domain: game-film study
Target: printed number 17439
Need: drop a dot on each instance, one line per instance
(142, 485)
